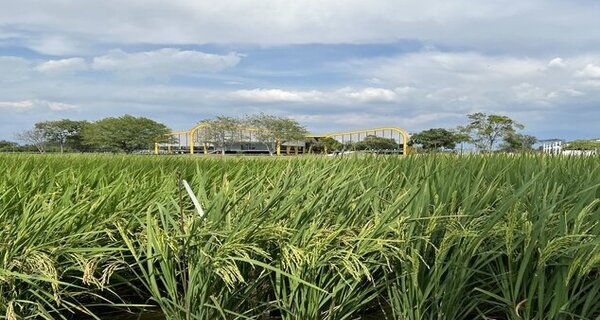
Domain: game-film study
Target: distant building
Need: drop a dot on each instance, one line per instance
(557, 146)
(246, 140)
(552, 146)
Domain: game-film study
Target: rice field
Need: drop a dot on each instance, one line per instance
(361, 237)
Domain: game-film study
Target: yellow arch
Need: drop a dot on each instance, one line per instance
(400, 131)
(190, 135)
(205, 125)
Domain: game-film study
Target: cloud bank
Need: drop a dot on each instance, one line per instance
(329, 63)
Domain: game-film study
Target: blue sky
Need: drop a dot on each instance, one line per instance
(330, 64)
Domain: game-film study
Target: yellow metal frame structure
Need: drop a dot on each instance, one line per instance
(191, 138)
(401, 133)
(192, 133)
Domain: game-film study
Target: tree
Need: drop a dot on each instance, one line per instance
(583, 145)
(221, 131)
(126, 133)
(461, 136)
(327, 144)
(517, 142)
(8, 145)
(372, 142)
(434, 139)
(36, 137)
(487, 130)
(273, 130)
(62, 132)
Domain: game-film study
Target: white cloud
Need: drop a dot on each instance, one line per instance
(16, 105)
(344, 95)
(59, 106)
(35, 104)
(449, 67)
(470, 80)
(364, 120)
(276, 95)
(163, 62)
(573, 93)
(63, 66)
(528, 93)
(556, 63)
(590, 71)
(57, 45)
(370, 95)
(64, 24)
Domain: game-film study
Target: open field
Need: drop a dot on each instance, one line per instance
(427, 237)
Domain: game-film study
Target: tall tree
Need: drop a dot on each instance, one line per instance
(518, 142)
(273, 130)
(372, 142)
(222, 131)
(36, 137)
(126, 133)
(487, 130)
(62, 132)
(461, 136)
(434, 139)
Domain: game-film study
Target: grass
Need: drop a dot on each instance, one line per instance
(428, 237)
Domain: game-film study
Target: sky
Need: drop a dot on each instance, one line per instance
(332, 65)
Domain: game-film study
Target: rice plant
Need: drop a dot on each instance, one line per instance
(373, 237)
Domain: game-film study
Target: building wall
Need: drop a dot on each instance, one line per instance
(556, 147)
(552, 147)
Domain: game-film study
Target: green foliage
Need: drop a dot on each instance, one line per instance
(434, 139)
(272, 129)
(487, 130)
(517, 142)
(583, 145)
(63, 132)
(221, 131)
(426, 237)
(8, 146)
(372, 142)
(328, 144)
(126, 133)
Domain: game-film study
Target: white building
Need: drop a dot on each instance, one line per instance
(554, 146)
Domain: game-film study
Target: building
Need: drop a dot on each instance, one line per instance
(557, 146)
(200, 139)
(552, 146)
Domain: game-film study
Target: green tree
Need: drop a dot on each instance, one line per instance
(221, 132)
(8, 145)
(434, 139)
(372, 142)
(126, 133)
(487, 130)
(582, 145)
(517, 142)
(461, 136)
(327, 144)
(63, 132)
(273, 129)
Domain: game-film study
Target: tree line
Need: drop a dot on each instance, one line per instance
(487, 132)
(270, 130)
(129, 134)
(113, 134)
